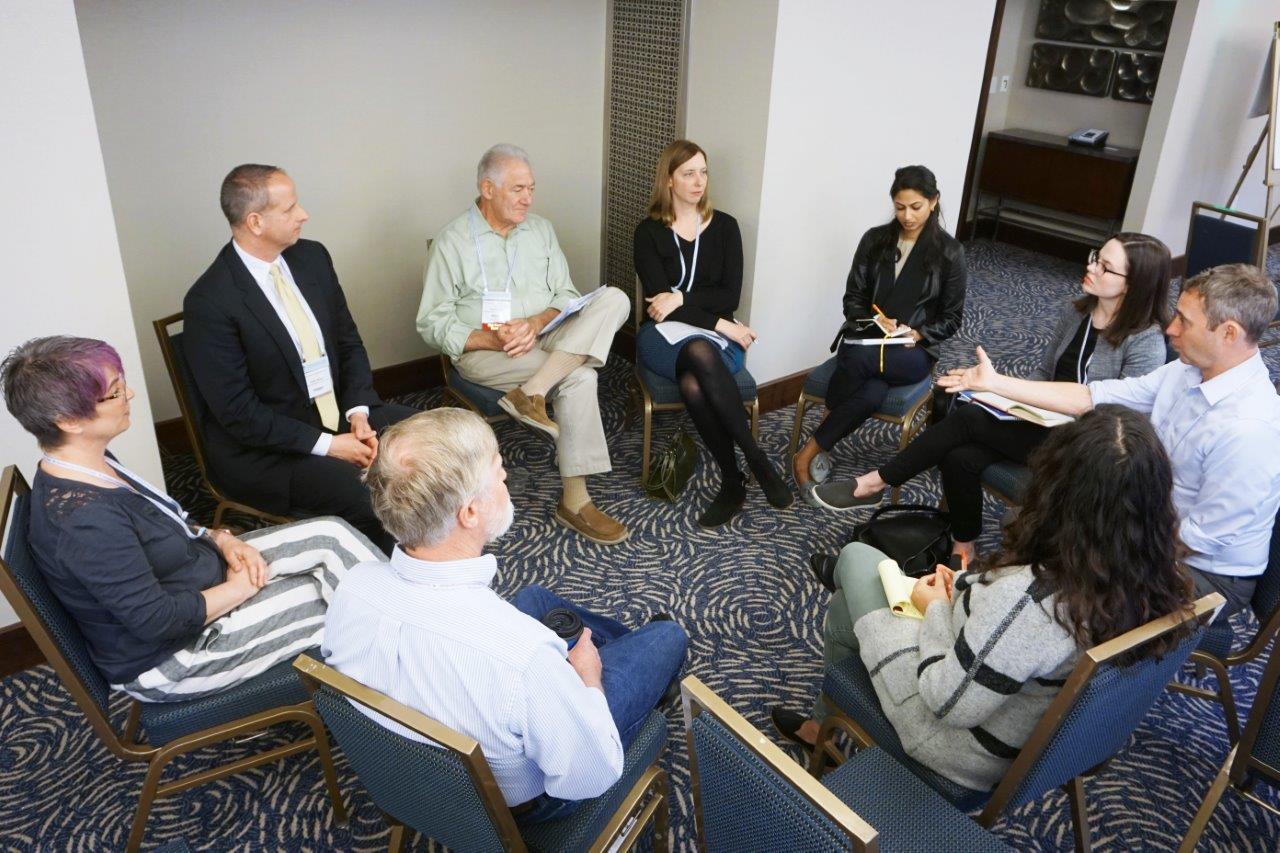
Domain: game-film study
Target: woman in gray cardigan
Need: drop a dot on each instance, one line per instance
(964, 688)
(1113, 331)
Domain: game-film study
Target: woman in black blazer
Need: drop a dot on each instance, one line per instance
(689, 261)
(910, 273)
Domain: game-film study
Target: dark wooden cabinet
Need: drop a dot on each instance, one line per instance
(1041, 169)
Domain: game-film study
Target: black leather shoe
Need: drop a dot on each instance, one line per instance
(788, 724)
(824, 569)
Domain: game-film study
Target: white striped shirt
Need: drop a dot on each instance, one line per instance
(435, 637)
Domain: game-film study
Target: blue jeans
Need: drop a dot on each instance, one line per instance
(638, 665)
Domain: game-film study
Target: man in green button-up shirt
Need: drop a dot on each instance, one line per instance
(496, 278)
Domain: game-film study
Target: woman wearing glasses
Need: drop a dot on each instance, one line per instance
(170, 611)
(1113, 331)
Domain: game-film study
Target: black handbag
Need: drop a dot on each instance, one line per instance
(672, 468)
(917, 536)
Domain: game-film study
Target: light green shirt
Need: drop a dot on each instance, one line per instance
(453, 286)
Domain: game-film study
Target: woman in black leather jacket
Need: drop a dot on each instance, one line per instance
(907, 273)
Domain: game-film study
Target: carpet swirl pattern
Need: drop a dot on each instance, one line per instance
(744, 594)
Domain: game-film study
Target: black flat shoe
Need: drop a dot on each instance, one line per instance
(776, 491)
(724, 506)
(824, 569)
(788, 724)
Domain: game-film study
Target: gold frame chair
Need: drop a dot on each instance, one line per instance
(697, 699)
(225, 503)
(126, 745)
(824, 749)
(647, 799)
(1240, 762)
(911, 422)
(643, 400)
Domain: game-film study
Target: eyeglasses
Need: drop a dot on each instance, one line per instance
(1094, 258)
(117, 394)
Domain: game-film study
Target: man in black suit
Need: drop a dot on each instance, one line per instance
(293, 417)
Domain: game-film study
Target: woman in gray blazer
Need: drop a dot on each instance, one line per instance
(1113, 331)
(1093, 554)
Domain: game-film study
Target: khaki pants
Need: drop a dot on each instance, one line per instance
(581, 448)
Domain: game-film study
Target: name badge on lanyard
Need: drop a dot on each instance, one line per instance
(319, 380)
(495, 305)
(693, 269)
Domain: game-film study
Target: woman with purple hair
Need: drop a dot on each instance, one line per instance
(169, 610)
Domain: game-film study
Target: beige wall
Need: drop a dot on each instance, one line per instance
(1199, 134)
(378, 109)
(730, 72)
(62, 265)
(844, 112)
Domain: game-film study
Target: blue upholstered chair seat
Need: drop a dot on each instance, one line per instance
(578, 830)
(664, 391)
(899, 401)
(849, 688)
(908, 814)
(1008, 478)
(483, 398)
(279, 685)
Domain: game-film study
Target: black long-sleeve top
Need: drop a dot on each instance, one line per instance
(125, 572)
(717, 284)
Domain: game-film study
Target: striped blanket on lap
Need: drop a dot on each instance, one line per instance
(308, 559)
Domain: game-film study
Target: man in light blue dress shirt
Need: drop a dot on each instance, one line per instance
(1217, 414)
(427, 630)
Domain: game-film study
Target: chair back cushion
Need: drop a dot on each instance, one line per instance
(1106, 711)
(186, 385)
(746, 805)
(54, 618)
(1266, 595)
(425, 787)
(1216, 241)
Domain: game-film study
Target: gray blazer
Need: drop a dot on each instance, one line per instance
(1137, 355)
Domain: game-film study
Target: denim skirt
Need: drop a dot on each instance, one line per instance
(658, 356)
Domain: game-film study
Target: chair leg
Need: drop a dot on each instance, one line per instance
(646, 442)
(145, 798)
(1225, 696)
(794, 444)
(1216, 790)
(326, 764)
(755, 418)
(662, 818)
(395, 841)
(1079, 813)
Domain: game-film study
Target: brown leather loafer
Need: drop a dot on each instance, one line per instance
(593, 524)
(530, 411)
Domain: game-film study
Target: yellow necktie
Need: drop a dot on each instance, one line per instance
(326, 404)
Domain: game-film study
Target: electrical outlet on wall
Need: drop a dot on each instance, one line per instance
(1004, 83)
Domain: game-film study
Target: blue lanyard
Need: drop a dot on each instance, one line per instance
(158, 499)
(697, 238)
(475, 241)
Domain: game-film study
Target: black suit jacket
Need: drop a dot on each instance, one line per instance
(940, 307)
(260, 419)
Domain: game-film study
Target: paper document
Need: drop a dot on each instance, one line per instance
(875, 342)
(897, 590)
(882, 323)
(574, 306)
(675, 331)
(1021, 411)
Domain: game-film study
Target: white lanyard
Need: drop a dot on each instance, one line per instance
(475, 241)
(1082, 366)
(166, 505)
(697, 238)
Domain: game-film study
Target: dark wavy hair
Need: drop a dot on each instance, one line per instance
(1098, 527)
(922, 180)
(1146, 297)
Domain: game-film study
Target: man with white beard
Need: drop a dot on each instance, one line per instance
(554, 717)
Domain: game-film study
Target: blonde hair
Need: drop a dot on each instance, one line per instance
(673, 157)
(429, 467)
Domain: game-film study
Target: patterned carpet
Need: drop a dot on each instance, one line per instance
(744, 594)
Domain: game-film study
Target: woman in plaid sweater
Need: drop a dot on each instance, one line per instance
(1092, 554)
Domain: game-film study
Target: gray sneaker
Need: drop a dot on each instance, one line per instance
(837, 495)
(820, 467)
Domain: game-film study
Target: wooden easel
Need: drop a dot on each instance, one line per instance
(1270, 174)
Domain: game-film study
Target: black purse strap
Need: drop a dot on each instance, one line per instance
(920, 508)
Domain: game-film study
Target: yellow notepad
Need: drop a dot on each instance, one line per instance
(897, 590)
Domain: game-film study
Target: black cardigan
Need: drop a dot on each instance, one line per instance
(717, 285)
(940, 307)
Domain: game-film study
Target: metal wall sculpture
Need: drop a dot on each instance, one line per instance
(1128, 39)
(645, 112)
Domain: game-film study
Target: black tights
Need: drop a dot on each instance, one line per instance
(712, 398)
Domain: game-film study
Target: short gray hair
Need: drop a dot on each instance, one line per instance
(429, 467)
(495, 158)
(1239, 292)
(244, 191)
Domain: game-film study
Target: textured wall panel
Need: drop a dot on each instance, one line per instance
(646, 81)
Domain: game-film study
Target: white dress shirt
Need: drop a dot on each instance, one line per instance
(435, 637)
(260, 270)
(1223, 438)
